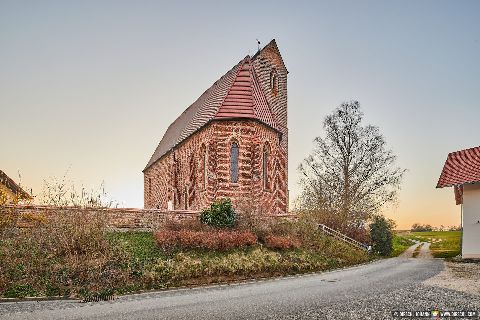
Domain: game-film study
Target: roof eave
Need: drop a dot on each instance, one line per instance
(206, 124)
(252, 119)
(456, 184)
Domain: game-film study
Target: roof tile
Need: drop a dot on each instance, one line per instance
(461, 167)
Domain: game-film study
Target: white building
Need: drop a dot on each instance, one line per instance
(462, 172)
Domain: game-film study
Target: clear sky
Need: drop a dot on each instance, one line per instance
(91, 86)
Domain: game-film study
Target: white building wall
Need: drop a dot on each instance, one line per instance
(471, 221)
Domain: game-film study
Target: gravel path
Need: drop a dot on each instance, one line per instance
(370, 291)
(460, 276)
(425, 251)
(409, 252)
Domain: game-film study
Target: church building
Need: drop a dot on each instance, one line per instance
(231, 142)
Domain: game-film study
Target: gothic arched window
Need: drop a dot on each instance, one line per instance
(234, 162)
(274, 81)
(205, 166)
(149, 187)
(266, 154)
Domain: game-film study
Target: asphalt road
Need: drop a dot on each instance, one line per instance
(369, 291)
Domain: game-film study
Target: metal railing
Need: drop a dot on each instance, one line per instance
(342, 237)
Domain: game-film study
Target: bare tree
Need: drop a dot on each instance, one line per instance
(350, 173)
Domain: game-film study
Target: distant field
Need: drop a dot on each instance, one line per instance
(445, 244)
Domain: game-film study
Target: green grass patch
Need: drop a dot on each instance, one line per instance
(400, 244)
(20, 291)
(155, 268)
(141, 246)
(444, 244)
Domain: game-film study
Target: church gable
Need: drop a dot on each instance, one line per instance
(272, 79)
(245, 99)
(231, 142)
(238, 94)
(239, 101)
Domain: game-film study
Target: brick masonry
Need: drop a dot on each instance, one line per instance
(116, 218)
(180, 176)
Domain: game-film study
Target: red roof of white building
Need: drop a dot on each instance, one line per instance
(461, 167)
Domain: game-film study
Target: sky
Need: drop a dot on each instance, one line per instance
(88, 88)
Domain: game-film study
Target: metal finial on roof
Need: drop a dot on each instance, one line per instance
(258, 45)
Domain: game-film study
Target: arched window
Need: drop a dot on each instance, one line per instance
(234, 162)
(186, 197)
(205, 166)
(274, 81)
(149, 187)
(266, 154)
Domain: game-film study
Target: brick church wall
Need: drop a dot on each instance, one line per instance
(179, 175)
(270, 59)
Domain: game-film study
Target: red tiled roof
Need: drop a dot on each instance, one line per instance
(245, 99)
(237, 94)
(461, 167)
(239, 100)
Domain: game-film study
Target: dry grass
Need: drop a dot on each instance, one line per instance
(63, 254)
(72, 254)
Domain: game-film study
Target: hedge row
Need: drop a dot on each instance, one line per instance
(281, 242)
(212, 240)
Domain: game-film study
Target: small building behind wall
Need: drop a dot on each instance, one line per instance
(10, 192)
(462, 172)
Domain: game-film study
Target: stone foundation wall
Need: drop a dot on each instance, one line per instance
(116, 218)
(119, 219)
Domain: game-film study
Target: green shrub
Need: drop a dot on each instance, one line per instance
(381, 233)
(220, 214)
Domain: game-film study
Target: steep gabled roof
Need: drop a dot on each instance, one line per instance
(461, 167)
(245, 99)
(237, 94)
(12, 186)
(196, 115)
(239, 100)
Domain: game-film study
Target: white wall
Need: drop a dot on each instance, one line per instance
(471, 216)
